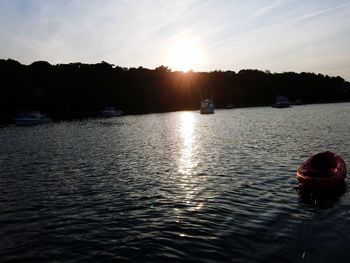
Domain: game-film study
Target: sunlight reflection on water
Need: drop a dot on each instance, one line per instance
(187, 124)
(173, 187)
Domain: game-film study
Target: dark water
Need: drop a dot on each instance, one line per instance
(173, 187)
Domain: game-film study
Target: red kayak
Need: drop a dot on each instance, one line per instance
(321, 171)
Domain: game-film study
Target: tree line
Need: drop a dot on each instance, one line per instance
(76, 89)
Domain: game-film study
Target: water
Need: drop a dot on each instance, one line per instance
(173, 187)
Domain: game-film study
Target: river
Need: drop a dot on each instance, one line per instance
(173, 187)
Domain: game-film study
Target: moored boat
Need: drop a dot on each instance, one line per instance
(111, 112)
(281, 102)
(31, 118)
(207, 107)
(322, 171)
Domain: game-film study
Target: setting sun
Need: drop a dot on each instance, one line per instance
(185, 54)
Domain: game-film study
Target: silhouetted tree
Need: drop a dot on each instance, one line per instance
(77, 89)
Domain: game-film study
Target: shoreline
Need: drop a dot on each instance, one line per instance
(7, 119)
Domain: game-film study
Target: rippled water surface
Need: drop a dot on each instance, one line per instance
(173, 187)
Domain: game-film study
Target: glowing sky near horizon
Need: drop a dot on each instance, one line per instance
(280, 35)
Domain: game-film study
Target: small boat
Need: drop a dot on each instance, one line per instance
(281, 102)
(322, 171)
(111, 112)
(31, 118)
(207, 107)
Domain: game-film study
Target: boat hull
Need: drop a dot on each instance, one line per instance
(281, 102)
(281, 106)
(207, 110)
(322, 171)
(28, 122)
(111, 114)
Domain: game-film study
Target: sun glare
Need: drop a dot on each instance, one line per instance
(185, 54)
(187, 124)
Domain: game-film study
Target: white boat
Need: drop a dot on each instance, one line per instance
(281, 102)
(111, 112)
(207, 107)
(31, 118)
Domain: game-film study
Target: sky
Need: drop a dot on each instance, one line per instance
(275, 35)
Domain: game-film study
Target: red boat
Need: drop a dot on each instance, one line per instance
(322, 171)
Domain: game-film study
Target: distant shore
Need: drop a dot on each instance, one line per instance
(77, 90)
(8, 119)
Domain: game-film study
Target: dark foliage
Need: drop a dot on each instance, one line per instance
(76, 89)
